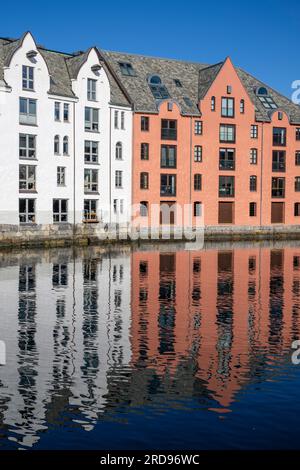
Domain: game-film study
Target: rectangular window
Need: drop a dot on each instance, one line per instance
(297, 209)
(278, 187)
(168, 185)
(56, 111)
(226, 159)
(66, 112)
(144, 180)
(90, 210)
(115, 206)
(61, 176)
(197, 182)
(127, 69)
(168, 156)
(227, 133)
(116, 119)
(279, 136)
(226, 186)
(227, 107)
(27, 77)
(198, 153)
(27, 111)
(145, 123)
(253, 156)
(122, 120)
(27, 146)
(197, 209)
(60, 210)
(198, 128)
(242, 106)
(91, 119)
(118, 179)
(252, 209)
(278, 160)
(297, 183)
(254, 131)
(27, 178)
(90, 181)
(297, 133)
(91, 89)
(90, 151)
(168, 129)
(297, 157)
(27, 211)
(144, 151)
(253, 183)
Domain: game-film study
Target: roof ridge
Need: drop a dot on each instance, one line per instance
(155, 57)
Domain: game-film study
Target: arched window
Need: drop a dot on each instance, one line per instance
(119, 151)
(158, 89)
(264, 97)
(213, 103)
(66, 146)
(56, 145)
(144, 208)
(262, 91)
(242, 106)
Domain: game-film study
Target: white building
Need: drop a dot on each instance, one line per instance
(65, 137)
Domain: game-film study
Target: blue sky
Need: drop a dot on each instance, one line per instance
(260, 36)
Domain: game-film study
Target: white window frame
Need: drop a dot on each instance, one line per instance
(60, 217)
(118, 179)
(57, 111)
(91, 89)
(28, 183)
(61, 176)
(91, 124)
(29, 216)
(28, 151)
(28, 117)
(91, 156)
(27, 80)
(90, 181)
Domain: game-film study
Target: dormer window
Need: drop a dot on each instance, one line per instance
(127, 69)
(27, 77)
(178, 83)
(158, 89)
(266, 100)
(188, 101)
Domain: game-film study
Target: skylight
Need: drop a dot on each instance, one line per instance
(127, 69)
(158, 89)
(266, 100)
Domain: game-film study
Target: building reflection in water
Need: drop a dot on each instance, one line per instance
(92, 334)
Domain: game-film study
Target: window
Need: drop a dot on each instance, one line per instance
(229, 89)
(119, 151)
(198, 128)
(144, 151)
(198, 153)
(127, 69)
(197, 209)
(61, 176)
(90, 181)
(60, 210)
(90, 210)
(121, 206)
(226, 186)
(27, 146)
(144, 123)
(66, 112)
(168, 185)
(227, 159)
(278, 160)
(213, 103)
(65, 145)
(158, 89)
(144, 209)
(56, 111)
(178, 83)
(253, 156)
(91, 89)
(297, 183)
(122, 120)
(278, 187)
(27, 180)
(297, 133)
(297, 209)
(27, 77)
(242, 106)
(168, 156)
(116, 119)
(91, 119)
(280, 115)
(197, 182)
(168, 129)
(297, 157)
(267, 101)
(56, 145)
(144, 180)
(279, 136)
(252, 209)
(188, 101)
(118, 179)
(227, 133)
(253, 183)
(27, 211)
(227, 108)
(115, 206)
(27, 111)
(90, 151)
(254, 131)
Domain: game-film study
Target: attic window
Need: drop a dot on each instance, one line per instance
(158, 89)
(127, 69)
(31, 54)
(262, 91)
(266, 100)
(178, 83)
(188, 101)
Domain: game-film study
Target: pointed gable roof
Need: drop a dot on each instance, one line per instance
(207, 76)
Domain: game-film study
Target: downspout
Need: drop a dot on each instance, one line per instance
(191, 156)
(74, 173)
(261, 173)
(110, 172)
